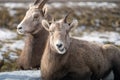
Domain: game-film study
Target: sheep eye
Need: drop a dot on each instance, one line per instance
(36, 16)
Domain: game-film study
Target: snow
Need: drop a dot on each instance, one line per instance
(8, 47)
(13, 56)
(19, 44)
(93, 5)
(57, 5)
(101, 37)
(69, 4)
(21, 75)
(86, 4)
(15, 5)
(5, 37)
(13, 46)
(11, 6)
(12, 12)
(8, 43)
(6, 34)
(97, 5)
(117, 43)
(1, 57)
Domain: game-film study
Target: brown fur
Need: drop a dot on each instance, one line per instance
(33, 50)
(36, 35)
(83, 60)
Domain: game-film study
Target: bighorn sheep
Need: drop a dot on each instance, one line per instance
(36, 35)
(67, 58)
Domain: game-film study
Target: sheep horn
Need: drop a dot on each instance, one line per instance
(36, 1)
(42, 3)
(65, 18)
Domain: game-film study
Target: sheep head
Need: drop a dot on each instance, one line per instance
(31, 23)
(59, 33)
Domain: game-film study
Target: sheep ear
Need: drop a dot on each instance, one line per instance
(45, 24)
(45, 10)
(73, 24)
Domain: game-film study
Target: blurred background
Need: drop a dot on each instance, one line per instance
(99, 21)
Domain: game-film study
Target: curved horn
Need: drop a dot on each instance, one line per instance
(42, 3)
(36, 1)
(65, 18)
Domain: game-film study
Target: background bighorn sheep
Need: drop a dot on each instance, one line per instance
(66, 58)
(36, 35)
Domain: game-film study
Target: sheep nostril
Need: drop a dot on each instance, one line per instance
(59, 45)
(19, 27)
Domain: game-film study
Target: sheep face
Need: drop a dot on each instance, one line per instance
(59, 37)
(32, 20)
(59, 34)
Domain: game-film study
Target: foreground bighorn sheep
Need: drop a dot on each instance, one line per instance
(66, 58)
(36, 36)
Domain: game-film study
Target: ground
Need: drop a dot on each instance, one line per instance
(20, 75)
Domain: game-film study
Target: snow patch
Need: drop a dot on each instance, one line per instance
(57, 5)
(97, 5)
(1, 57)
(15, 5)
(69, 4)
(13, 46)
(101, 37)
(21, 75)
(85, 4)
(17, 45)
(6, 34)
(12, 12)
(13, 56)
